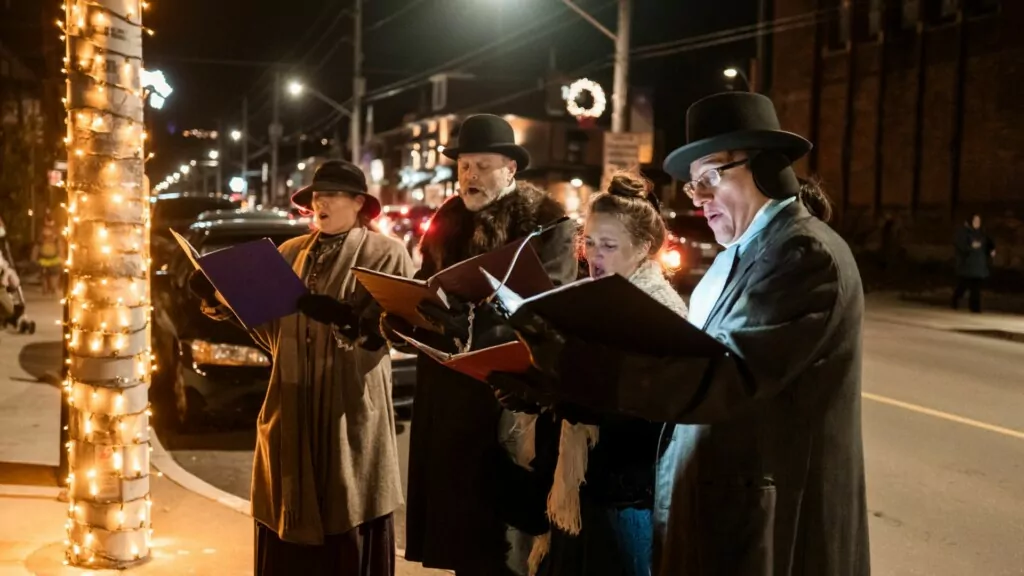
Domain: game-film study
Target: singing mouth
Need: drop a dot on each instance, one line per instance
(323, 216)
(597, 272)
(473, 190)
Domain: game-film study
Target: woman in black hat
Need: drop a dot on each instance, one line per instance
(326, 477)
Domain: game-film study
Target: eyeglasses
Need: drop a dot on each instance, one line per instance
(710, 178)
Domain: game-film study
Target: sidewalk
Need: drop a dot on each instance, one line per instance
(889, 307)
(193, 534)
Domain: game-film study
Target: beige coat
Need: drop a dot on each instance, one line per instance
(363, 443)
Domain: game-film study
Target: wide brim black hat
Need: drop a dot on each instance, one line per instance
(733, 121)
(338, 176)
(488, 134)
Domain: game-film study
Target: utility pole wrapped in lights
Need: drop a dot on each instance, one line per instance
(108, 354)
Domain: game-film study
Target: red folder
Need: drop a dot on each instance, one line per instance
(509, 357)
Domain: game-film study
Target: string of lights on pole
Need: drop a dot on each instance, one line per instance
(107, 334)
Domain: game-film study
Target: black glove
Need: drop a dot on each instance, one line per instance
(200, 287)
(328, 310)
(522, 392)
(544, 341)
(452, 321)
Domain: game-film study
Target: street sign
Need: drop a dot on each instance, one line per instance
(621, 152)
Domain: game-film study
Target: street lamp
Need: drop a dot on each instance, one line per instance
(236, 135)
(731, 73)
(214, 154)
(295, 88)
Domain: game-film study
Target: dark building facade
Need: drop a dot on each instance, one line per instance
(916, 115)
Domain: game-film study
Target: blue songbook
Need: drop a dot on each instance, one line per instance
(254, 280)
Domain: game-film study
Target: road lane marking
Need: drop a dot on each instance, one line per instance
(945, 416)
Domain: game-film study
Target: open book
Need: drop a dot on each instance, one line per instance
(509, 357)
(400, 296)
(609, 311)
(253, 279)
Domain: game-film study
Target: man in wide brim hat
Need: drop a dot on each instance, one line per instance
(338, 177)
(489, 134)
(764, 473)
(733, 121)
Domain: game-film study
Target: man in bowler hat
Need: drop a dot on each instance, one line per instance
(763, 472)
(461, 480)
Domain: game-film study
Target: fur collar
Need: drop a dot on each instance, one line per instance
(457, 234)
(650, 278)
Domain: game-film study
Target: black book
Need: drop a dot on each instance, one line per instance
(610, 311)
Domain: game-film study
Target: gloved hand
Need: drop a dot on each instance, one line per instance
(199, 285)
(452, 321)
(328, 310)
(522, 392)
(544, 341)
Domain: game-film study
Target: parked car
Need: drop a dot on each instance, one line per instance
(690, 250)
(179, 210)
(208, 367)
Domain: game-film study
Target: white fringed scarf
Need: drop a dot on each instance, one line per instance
(576, 440)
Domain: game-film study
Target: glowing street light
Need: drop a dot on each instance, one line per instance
(237, 184)
(214, 154)
(236, 135)
(731, 73)
(295, 88)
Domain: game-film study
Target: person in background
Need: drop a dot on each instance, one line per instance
(326, 478)
(974, 253)
(48, 254)
(601, 466)
(764, 472)
(9, 282)
(462, 487)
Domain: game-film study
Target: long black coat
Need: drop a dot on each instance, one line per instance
(971, 261)
(764, 473)
(452, 518)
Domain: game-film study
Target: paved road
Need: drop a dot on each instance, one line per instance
(945, 469)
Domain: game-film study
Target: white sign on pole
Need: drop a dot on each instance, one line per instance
(621, 152)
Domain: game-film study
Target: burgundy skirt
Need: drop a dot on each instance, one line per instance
(366, 550)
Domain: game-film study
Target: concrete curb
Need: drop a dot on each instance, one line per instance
(43, 492)
(165, 463)
(162, 460)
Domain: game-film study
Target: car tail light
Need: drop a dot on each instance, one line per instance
(672, 259)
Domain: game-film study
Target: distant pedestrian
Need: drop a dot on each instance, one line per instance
(47, 253)
(974, 253)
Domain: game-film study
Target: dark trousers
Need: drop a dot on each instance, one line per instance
(973, 287)
(366, 550)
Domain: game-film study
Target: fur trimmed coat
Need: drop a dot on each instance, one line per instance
(453, 520)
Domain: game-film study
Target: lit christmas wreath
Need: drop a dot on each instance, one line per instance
(576, 89)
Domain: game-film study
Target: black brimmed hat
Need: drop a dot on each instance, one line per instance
(733, 121)
(338, 176)
(489, 134)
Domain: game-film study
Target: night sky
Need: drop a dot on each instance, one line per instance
(214, 53)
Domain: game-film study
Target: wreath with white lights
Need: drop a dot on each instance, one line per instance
(576, 89)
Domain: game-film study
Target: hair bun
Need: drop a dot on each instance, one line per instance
(631, 185)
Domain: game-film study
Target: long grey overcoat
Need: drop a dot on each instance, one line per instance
(363, 474)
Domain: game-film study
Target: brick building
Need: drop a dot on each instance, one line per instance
(913, 109)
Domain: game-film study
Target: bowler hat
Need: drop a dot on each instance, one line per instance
(489, 134)
(338, 176)
(733, 121)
